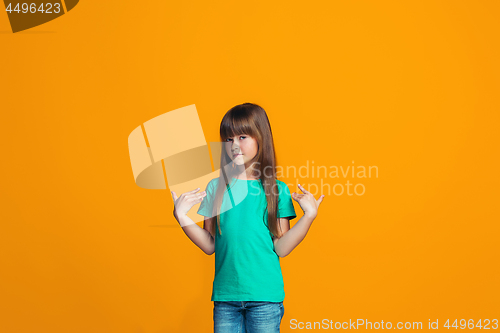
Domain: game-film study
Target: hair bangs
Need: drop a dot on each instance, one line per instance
(236, 123)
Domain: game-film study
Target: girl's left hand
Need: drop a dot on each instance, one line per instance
(307, 202)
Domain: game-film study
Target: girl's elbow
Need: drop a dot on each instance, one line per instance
(209, 252)
(282, 255)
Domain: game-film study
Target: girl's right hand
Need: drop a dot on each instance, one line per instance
(183, 204)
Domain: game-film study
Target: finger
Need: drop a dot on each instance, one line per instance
(196, 196)
(193, 191)
(302, 189)
(297, 196)
(186, 194)
(320, 200)
(194, 201)
(174, 196)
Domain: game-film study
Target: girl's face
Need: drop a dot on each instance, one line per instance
(241, 148)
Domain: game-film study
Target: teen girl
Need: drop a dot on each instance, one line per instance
(247, 213)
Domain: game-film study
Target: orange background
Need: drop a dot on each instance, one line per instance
(409, 87)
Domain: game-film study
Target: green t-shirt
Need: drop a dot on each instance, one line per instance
(246, 266)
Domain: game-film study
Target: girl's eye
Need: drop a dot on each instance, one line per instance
(241, 137)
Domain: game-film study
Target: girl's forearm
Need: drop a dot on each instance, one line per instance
(284, 245)
(199, 236)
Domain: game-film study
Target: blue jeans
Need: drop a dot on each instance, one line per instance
(250, 317)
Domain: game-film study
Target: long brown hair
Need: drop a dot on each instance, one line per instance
(250, 119)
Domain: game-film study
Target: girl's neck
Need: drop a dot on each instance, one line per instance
(246, 174)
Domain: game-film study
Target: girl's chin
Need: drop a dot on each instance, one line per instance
(239, 163)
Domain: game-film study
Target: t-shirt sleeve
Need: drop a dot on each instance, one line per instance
(207, 203)
(285, 204)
